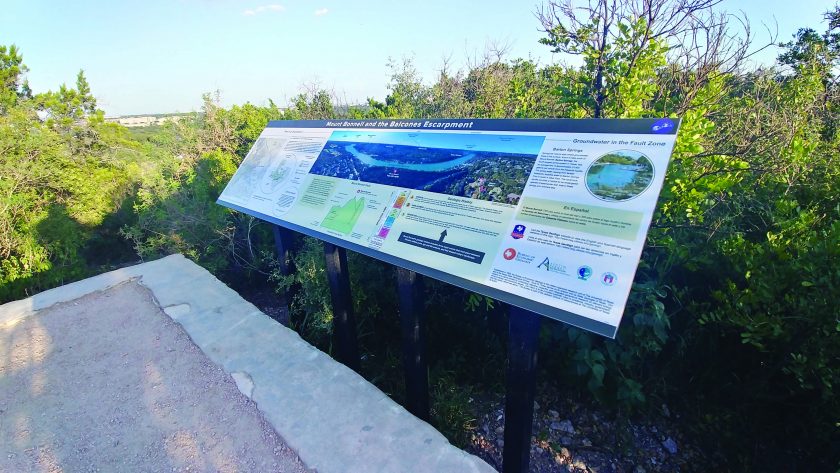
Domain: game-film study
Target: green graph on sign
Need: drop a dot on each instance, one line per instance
(342, 218)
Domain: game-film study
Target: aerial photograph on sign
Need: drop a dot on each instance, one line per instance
(479, 166)
(619, 175)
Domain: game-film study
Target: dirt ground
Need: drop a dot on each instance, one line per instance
(109, 383)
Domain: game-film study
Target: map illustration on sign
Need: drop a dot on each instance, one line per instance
(255, 165)
(547, 215)
(277, 176)
(486, 167)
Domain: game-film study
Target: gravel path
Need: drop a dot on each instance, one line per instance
(109, 383)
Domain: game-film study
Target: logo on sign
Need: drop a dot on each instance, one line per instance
(608, 279)
(663, 125)
(584, 272)
(518, 232)
(552, 267)
(509, 254)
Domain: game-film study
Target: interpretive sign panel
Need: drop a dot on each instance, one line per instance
(547, 215)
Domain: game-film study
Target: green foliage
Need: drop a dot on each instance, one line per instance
(250, 121)
(624, 70)
(492, 89)
(176, 204)
(62, 186)
(317, 105)
(177, 212)
(311, 307)
(11, 70)
(450, 406)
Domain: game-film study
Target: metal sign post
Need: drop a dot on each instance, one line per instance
(344, 323)
(413, 324)
(523, 338)
(283, 241)
(283, 244)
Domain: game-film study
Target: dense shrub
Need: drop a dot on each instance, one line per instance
(66, 182)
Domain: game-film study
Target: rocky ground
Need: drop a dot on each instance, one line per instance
(571, 437)
(267, 301)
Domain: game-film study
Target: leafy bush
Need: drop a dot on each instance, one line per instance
(64, 180)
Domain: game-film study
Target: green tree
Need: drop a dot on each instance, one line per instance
(315, 104)
(176, 205)
(86, 100)
(12, 70)
(62, 185)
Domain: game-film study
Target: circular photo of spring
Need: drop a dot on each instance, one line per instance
(619, 175)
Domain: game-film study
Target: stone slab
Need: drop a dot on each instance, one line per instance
(333, 418)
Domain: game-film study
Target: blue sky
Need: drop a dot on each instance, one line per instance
(159, 56)
(524, 144)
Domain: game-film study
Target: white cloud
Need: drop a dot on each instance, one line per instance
(321, 12)
(264, 8)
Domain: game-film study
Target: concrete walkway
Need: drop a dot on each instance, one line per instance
(108, 382)
(334, 419)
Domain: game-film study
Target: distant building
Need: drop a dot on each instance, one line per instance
(145, 120)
